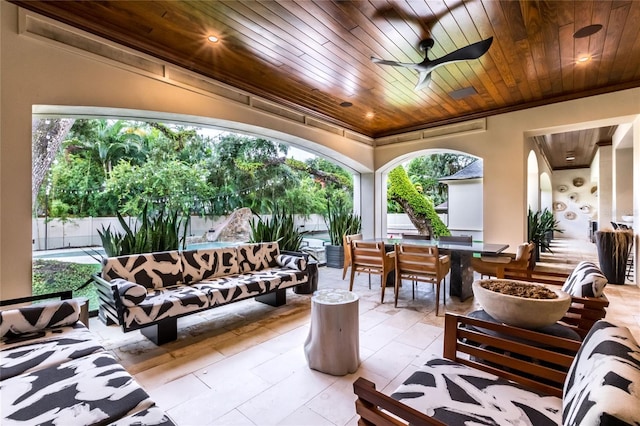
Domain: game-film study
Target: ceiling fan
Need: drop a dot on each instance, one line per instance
(472, 51)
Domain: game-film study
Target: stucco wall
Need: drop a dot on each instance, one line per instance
(465, 206)
(574, 206)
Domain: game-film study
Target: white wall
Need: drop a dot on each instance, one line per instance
(605, 186)
(581, 204)
(465, 207)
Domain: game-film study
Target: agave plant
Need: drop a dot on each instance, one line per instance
(341, 221)
(280, 227)
(159, 232)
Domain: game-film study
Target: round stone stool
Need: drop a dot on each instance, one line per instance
(333, 343)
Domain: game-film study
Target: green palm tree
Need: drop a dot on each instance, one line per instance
(114, 141)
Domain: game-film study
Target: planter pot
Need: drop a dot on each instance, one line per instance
(521, 311)
(613, 252)
(335, 256)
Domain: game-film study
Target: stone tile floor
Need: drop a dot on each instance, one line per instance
(244, 364)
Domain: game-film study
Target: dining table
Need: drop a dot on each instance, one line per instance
(461, 277)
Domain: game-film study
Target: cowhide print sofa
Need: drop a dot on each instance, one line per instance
(520, 378)
(53, 371)
(151, 291)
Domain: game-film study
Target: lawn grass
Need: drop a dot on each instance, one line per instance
(51, 276)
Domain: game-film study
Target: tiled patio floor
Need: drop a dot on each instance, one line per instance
(244, 364)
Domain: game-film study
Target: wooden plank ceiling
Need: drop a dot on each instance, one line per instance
(315, 55)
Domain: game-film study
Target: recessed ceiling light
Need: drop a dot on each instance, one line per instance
(346, 104)
(583, 59)
(587, 31)
(369, 115)
(213, 39)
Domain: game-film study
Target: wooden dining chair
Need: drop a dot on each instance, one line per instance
(371, 258)
(346, 243)
(493, 266)
(421, 264)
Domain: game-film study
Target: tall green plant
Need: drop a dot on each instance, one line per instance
(159, 232)
(538, 225)
(341, 221)
(280, 227)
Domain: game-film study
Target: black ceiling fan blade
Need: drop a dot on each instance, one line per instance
(473, 51)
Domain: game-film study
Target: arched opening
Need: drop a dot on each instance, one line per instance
(460, 208)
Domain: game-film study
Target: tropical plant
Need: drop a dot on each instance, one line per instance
(341, 221)
(157, 232)
(539, 225)
(280, 227)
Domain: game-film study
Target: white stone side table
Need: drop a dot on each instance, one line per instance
(333, 343)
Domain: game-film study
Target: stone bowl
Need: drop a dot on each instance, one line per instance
(521, 311)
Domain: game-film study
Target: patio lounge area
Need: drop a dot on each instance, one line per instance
(244, 363)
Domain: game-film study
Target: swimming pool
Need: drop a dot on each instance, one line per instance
(94, 254)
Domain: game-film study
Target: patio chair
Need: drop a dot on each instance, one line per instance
(371, 258)
(420, 264)
(493, 266)
(346, 243)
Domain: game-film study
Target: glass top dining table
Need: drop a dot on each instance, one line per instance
(461, 277)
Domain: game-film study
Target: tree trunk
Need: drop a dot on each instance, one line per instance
(422, 224)
(46, 137)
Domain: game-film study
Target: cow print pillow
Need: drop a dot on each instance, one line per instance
(586, 280)
(602, 386)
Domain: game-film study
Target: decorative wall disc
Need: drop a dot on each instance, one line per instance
(562, 188)
(594, 189)
(559, 206)
(573, 197)
(570, 215)
(578, 182)
(586, 208)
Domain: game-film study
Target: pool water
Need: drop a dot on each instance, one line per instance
(98, 252)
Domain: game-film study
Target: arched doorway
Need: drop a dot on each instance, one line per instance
(467, 191)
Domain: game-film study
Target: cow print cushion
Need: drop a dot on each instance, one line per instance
(51, 347)
(237, 287)
(204, 264)
(459, 395)
(83, 391)
(255, 257)
(131, 294)
(164, 303)
(297, 263)
(603, 383)
(586, 280)
(35, 318)
(152, 270)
